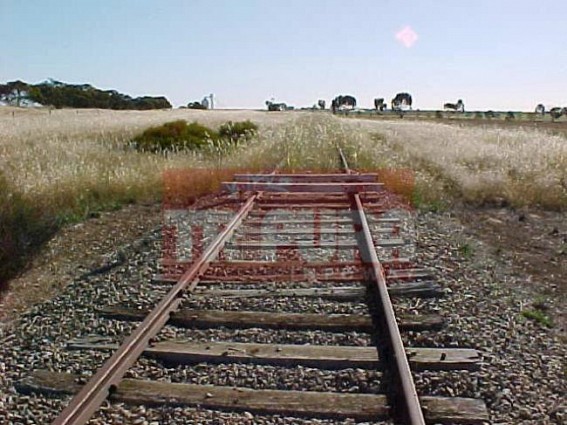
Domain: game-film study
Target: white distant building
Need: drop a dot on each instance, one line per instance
(208, 102)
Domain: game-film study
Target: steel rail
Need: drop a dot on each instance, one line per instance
(406, 395)
(105, 381)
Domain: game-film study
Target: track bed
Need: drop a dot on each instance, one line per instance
(275, 315)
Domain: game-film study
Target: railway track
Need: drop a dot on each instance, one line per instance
(327, 257)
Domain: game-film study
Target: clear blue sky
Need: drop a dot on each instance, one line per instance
(494, 54)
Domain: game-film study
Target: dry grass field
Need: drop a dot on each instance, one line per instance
(480, 165)
(70, 150)
(67, 165)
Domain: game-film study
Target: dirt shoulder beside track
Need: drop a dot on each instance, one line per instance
(75, 250)
(532, 244)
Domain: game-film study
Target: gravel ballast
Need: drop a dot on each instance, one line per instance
(521, 377)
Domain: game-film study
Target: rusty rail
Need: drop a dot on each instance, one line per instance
(97, 389)
(407, 402)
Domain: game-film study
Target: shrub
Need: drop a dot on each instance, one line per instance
(510, 116)
(175, 136)
(195, 105)
(556, 113)
(237, 131)
(438, 114)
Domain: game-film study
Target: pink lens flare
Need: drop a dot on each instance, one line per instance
(407, 36)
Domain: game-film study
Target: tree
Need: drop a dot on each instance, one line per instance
(400, 100)
(13, 92)
(4, 91)
(556, 112)
(61, 95)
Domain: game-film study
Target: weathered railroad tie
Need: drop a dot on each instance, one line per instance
(328, 207)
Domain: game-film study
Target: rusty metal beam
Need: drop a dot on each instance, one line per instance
(293, 264)
(318, 197)
(298, 264)
(338, 221)
(311, 231)
(245, 244)
(307, 212)
(302, 187)
(97, 389)
(286, 277)
(306, 178)
(283, 205)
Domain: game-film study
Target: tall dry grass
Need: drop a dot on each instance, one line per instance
(69, 164)
(309, 142)
(477, 165)
(40, 152)
(66, 165)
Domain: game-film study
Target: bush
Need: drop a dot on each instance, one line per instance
(195, 105)
(510, 116)
(178, 135)
(438, 114)
(237, 131)
(174, 136)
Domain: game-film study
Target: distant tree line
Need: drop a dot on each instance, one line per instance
(62, 95)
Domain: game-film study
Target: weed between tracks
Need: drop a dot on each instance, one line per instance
(538, 316)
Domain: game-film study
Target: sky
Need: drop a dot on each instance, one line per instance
(493, 54)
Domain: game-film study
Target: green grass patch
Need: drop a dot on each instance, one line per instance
(538, 316)
(90, 201)
(538, 312)
(426, 203)
(466, 250)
